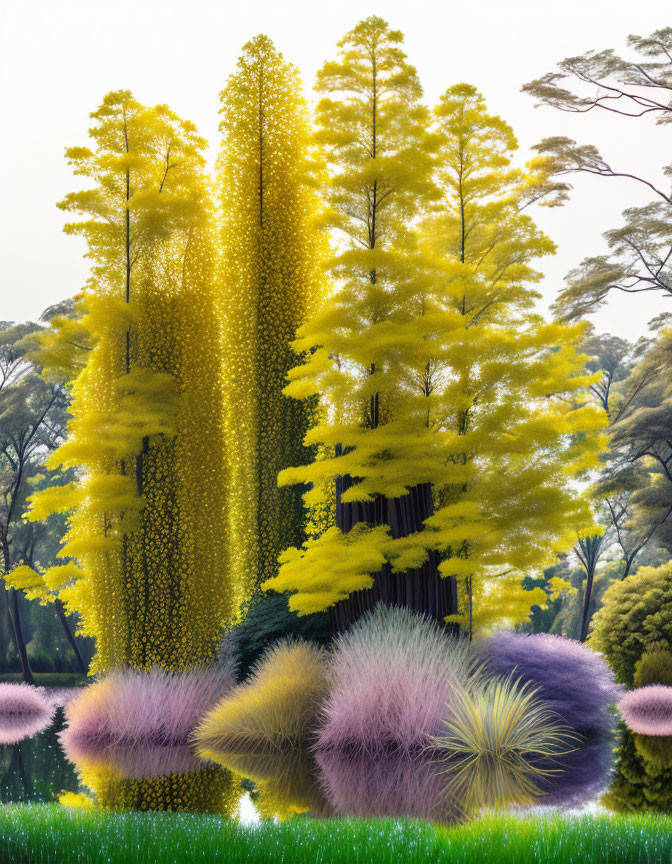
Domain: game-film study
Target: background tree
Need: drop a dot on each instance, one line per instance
(641, 250)
(636, 483)
(587, 550)
(272, 254)
(611, 357)
(32, 422)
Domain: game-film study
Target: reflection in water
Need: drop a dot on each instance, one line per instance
(287, 782)
(398, 785)
(24, 711)
(16, 727)
(35, 768)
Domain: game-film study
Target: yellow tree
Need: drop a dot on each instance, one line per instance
(373, 128)
(152, 582)
(487, 397)
(272, 250)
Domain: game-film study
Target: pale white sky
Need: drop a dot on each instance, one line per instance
(59, 57)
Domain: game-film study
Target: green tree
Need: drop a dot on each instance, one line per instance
(635, 617)
(636, 483)
(32, 422)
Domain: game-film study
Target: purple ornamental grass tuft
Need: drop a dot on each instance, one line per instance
(578, 685)
(391, 675)
(24, 711)
(648, 710)
(139, 722)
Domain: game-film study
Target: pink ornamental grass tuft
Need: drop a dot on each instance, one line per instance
(23, 699)
(151, 714)
(391, 675)
(24, 711)
(648, 710)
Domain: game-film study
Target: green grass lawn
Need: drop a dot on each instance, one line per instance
(51, 834)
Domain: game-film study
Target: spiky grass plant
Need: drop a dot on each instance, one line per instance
(391, 676)
(496, 740)
(648, 710)
(24, 711)
(575, 683)
(273, 711)
(139, 723)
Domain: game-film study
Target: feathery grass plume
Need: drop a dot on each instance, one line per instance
(576, 684)
(391, 675)
(24, 711)
(654, 667)
(139, 723)
(648, 710)
(497, 742)
(274, 711)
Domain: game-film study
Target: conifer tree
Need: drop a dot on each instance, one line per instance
(485, 400)
(373, 128)
(151, 581)
(272, 251)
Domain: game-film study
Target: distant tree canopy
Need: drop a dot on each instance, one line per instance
(640, 256)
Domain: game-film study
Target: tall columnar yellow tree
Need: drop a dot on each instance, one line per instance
(151, 580)
(272, 255)
(487, 398)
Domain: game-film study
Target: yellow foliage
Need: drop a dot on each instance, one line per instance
(24, 578)
(272, 251)
(152, 582)
(430, 363)
(273, 711)
(75, 799)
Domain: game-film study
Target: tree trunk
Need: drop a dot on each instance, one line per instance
(26, 671)
(422, 589)
(70, 636)
(585, 618)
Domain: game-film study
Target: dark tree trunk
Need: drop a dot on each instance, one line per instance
(421, 589)
(17, 629)
(70, 636)
(26, 671)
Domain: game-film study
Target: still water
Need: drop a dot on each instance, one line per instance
(33, 767)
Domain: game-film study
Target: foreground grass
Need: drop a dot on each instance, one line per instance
(50, 834)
